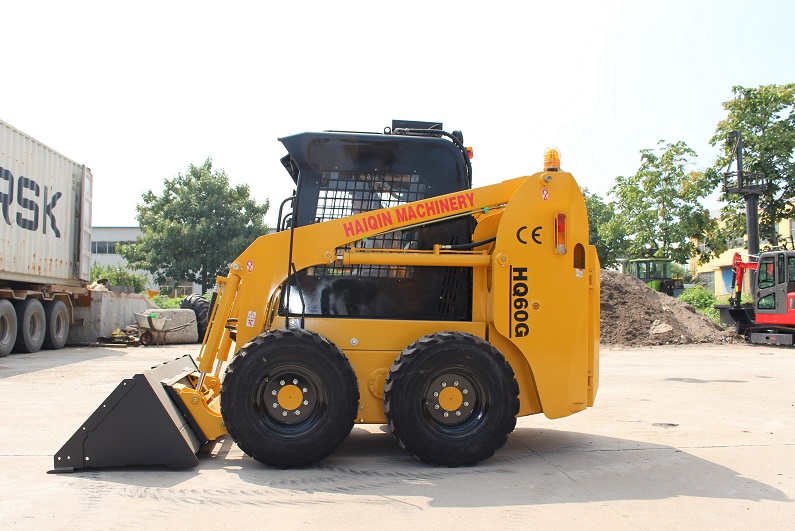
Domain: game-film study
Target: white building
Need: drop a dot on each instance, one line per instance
(103, 252)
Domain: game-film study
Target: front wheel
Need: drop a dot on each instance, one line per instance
(451, 399)
(289, 398)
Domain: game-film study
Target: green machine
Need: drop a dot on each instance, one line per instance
(657, 273)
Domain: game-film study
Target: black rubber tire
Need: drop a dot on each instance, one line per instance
(201, 307)
(8, 327)
(56, 332)
(487, 398)
(31, 325)
(147, 338)
(328, 398)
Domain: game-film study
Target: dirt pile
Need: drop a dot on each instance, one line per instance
(635, 315)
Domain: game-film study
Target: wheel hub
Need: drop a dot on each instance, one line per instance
(290, 398)
(450, 399)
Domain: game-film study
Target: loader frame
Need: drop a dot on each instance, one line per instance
(248, 299)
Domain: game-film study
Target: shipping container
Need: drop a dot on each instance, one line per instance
(45, 241)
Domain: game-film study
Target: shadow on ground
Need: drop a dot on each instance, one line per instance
(535, 467)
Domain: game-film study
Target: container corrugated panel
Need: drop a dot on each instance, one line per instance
(45, 213)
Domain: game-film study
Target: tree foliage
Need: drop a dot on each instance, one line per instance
(660, 209)
(195, 228)
(766, 120)
(610, 239)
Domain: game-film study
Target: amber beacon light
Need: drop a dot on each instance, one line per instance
(551, 160)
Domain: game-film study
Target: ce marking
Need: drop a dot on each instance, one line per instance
(535, 234)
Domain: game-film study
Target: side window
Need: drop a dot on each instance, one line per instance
(767, 273)
(579, 256)
(792, 268)
(642, 271)
(767, 303)
(781, 271)
(708, 281)
(653, 272)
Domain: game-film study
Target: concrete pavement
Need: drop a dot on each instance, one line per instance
(682, 437)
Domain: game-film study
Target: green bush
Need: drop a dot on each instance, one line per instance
(119, 276)
(702, 300)
(745, 298)
(167, 303)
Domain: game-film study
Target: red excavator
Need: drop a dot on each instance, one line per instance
(770, 319)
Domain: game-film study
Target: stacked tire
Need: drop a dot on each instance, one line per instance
(201, 307)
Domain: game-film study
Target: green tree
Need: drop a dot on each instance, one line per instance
(660, 209)
(610, 239)
(195, 228)
(765, 117)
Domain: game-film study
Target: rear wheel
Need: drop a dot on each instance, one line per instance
(289, 398)
(8, 327)
(56, 317)
(30, 325)
(451, 399)
(201, 307)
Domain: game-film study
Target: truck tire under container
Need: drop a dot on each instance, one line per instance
(30, 325)
(56, 328)
(8, 327)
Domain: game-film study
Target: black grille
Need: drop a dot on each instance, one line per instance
(343, 194)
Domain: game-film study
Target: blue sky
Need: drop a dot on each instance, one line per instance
(139, 91)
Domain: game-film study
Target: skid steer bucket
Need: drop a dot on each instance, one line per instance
(138, 424)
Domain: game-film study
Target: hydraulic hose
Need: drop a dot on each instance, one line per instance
(464, 246)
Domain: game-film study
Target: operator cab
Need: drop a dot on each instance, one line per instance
(774, 289)
(657, 273)
(339, 174)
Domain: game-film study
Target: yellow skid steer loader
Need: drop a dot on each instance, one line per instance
(392, 293)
